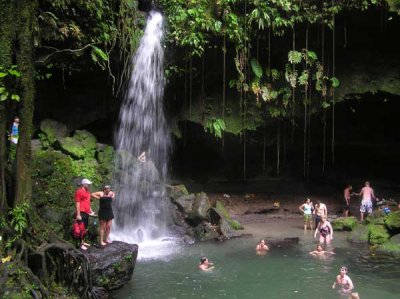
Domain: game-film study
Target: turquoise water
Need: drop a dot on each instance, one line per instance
(240, 273)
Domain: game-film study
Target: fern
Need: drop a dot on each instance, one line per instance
(256, 67)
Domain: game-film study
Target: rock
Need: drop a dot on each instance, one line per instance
(72, 147)
(113, 265)
(344, 223)
(377, 234)
(223, 213)
(205, 231)
(226, 230)
(200, 207)
(392, 221)
(53, 130)
(185, 203)
(105, 153)
(389, 248)
(359, 234)
(176, 191)
(36, 145)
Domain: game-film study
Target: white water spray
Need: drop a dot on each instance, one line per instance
(141, 211)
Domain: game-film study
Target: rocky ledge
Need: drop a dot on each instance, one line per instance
(112, 266)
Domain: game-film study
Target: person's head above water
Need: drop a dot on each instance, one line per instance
(203, 260)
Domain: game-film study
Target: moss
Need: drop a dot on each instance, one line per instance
(52, 174)
(222, 210)
(389, 248)
(344, 223)
(88, 168)
(82, 145)
(52, 131)
(377, 234)
(392, 221)
(128, 257)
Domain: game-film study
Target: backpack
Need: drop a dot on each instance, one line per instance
(78, 230)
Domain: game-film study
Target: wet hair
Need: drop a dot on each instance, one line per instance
(107, 187)
(343, 268)
(203, 259)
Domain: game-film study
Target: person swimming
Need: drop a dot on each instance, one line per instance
(319, 251)
(262, 246)
(344, 281)
(205, 264)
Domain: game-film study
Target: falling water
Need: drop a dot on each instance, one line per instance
(140, 209)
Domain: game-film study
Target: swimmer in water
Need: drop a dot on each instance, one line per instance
(319, 251)
(205, 264)
(344, 281)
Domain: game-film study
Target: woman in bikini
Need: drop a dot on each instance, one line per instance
(325, 231)
(344, 281)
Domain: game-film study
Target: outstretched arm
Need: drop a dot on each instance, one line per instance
(97, 194)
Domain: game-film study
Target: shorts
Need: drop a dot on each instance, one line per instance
(366, 206)
(307, 217)
(346, 206)
(85, 219)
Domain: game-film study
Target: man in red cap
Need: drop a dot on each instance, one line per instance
(83, 210)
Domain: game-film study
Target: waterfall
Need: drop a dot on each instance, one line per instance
(140, 209)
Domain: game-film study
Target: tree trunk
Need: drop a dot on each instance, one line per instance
(24, 55)
(7, 35)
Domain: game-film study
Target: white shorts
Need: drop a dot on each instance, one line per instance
(366, 206)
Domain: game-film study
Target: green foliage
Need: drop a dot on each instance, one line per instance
(256, 67)
(9, 78)
(378, 234)
(18, 222)
(294, 57)
(52, 177)
(215, 126)
(344, 223)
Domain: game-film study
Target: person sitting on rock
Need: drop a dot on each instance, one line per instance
(205, 264)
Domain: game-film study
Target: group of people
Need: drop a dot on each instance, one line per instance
(368, 196)
(84, 210)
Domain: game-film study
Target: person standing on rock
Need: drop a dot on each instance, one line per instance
(105, 213)
(320, 211)
(368, 195)
(306, 208)
(83, 209)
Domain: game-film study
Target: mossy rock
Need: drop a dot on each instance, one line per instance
(377, 234)
(392, 221)
(52, 176)
(359, 234)
(389, 248)
(72, 147)
(105, 154)
(201, 205)
(220, 209)
(176, 191)
(344, 223)
(377, 217)
(82, 145)
(53, 131)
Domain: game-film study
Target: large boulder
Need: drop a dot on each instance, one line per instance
(81, 145)
(344, 223)
(185, 203)
(53, 131)
(201, 205)
(205, 231)
(112, 266)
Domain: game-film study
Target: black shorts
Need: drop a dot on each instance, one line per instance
(85, 219)
(346, 206)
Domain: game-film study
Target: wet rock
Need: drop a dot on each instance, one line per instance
(206, 231)
(344, 223)
(113, 265)
(186, 202)
(176, 191)
(200, 207)
(359, 234)
(226, 230)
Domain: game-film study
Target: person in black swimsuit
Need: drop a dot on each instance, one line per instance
(105, 213)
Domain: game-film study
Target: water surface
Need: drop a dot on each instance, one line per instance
(240, 273)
